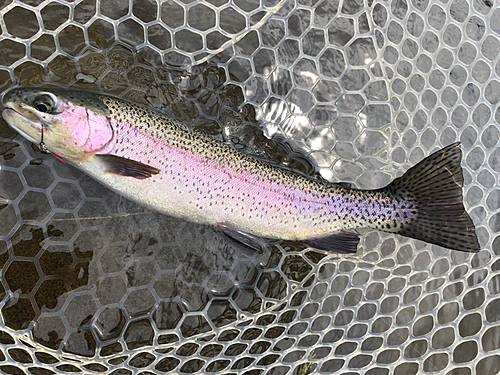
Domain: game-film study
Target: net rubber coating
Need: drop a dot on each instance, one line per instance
(358, 91)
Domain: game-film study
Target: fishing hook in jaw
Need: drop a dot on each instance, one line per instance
(42, 146)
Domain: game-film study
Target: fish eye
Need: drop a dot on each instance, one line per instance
(42, 107)
(43, 103)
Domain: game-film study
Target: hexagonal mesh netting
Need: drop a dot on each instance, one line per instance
(93, 283)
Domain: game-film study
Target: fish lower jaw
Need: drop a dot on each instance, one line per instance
(29, 138)
(12, 117)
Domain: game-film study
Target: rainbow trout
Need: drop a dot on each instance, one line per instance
(164, 165)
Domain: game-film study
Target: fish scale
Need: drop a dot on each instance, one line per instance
(285, 200)
(164, 165)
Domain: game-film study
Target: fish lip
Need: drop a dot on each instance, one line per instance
(26, 116)
(13, 114)
(8, 111)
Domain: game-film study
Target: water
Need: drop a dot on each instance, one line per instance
(349, 92)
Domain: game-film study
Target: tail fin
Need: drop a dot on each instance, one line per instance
(435, 186)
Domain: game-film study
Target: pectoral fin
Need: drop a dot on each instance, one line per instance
(126, 167)
(343, 242)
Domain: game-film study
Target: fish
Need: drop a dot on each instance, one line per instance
(170, 168)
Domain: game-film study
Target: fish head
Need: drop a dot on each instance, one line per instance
(73, 125)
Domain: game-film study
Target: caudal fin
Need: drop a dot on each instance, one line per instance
(435, 186)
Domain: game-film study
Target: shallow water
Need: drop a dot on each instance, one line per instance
(349, 92)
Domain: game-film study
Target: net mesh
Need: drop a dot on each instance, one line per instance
(353, 91)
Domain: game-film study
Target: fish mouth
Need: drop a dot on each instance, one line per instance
(23, 121)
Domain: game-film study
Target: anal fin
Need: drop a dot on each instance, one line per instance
(343, 243)
(127, 167)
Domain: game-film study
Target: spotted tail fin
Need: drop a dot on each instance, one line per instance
(435, 186)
